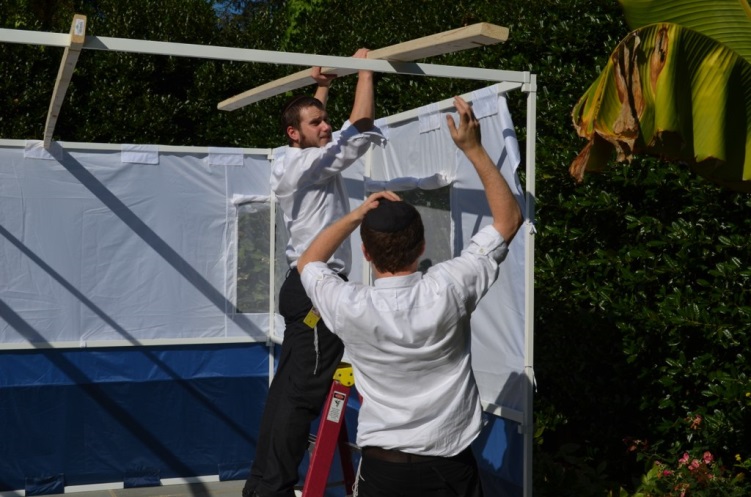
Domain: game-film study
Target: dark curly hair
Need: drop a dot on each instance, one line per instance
(391, 252)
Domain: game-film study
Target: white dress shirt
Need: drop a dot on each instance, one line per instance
(407, 338)
(309, 186)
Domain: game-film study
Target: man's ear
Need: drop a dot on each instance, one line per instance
(293, 134)
(365, 253)
(422, 249)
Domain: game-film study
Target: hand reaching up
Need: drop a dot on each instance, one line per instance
(467, 136)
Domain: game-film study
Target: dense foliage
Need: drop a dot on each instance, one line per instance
(642, 274)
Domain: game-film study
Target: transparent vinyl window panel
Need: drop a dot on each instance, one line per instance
(253, 259)
(434, 207)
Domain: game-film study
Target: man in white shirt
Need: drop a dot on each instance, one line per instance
(308, 185)
(408, 335)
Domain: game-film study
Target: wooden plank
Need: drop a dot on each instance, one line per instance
(473, 36)
(476, 35)
(64, 75)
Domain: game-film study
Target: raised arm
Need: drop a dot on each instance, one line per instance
(325, 244)
(363, 109)
(324, 82)
(507, 216)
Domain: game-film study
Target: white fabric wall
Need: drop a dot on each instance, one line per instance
(117, 247)
(97, 250)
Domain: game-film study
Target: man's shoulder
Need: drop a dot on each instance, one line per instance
(291, 166)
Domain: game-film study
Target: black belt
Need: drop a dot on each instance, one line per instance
(397, 456)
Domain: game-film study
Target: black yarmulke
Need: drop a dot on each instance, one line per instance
(390, 216)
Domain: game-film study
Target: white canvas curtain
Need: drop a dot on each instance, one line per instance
(96, 249)
(421, 154)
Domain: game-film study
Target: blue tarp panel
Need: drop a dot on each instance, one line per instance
(137, 415)
(116, 415)
(498, 451)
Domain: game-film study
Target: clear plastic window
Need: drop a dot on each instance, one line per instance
(435, 209)
(253, 247)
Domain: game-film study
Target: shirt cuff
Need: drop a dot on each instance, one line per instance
(374, 135)
(489, 241)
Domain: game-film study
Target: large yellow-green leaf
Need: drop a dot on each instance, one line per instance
(672, 92)
(725, 21)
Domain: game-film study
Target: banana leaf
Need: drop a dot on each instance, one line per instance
(676, 92)
(726, 21)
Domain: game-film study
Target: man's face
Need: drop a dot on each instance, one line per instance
(314, 131)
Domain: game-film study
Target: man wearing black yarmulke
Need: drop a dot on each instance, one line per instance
(407, 336)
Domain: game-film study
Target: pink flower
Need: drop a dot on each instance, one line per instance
(696, 422)
(683, 460)
(667, 472)
(694, 464)
(708, 458)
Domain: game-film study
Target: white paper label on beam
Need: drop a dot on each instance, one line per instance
(34, 149)
(224, 156)
(485, 102)
(139, 154)
(79, 27)
(429, 117)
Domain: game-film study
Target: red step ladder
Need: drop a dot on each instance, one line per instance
(332, 433)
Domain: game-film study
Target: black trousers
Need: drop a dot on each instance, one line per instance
(437, 477)
(296, 395)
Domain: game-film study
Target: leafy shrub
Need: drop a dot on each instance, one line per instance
(696, 475)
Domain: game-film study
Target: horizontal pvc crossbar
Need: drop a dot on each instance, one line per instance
(261, 56)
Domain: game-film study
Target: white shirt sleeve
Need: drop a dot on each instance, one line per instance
(323, 286)
(315, 165)
(472, 273)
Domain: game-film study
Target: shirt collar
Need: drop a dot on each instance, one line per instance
(398, 281)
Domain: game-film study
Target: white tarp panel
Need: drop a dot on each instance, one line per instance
(96, 249)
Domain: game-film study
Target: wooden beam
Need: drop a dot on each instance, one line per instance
(64, 75)
(473, 36)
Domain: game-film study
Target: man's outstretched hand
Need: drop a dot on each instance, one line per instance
(467, 136)
(320, 78)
